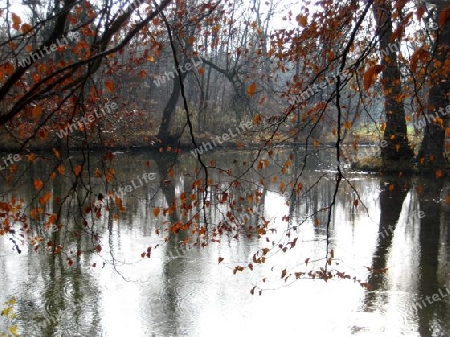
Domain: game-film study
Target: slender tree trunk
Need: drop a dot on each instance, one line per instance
(431, 153)
(395, 132)
(204, 94)
(169, 110)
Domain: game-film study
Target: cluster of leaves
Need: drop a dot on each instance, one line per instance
(10, 315)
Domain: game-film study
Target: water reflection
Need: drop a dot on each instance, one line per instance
(183, 291)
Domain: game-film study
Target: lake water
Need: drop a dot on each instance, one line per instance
(400, 223)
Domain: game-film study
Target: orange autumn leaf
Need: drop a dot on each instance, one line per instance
(370, 75)
(215, 29)
(391, 187)
(316, 222)
(44, 199)
(109, 175)
(98, 174)
(302, 20)
(38, 184)
(257, 119)
(31, 157)
(420, 11)
(109, 85)
(56, 153)
(77, 170)
(11, 44)
(156, 212)
(251, 89)
(262, 164)
(263, 99)
(16, 19)
(447, 199)
(26, 28)
(397, 33)
(419, 55)
(37, 111)
(13, 168)
(444, 16)
(61, 169)
(118, 202)
(33, 214)
(400, 4)
(439, 174)
(142, 74)
(72, 19)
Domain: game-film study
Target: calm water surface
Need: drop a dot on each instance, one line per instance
(185, 292)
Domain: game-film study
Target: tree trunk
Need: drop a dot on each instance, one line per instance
(169, 110)
(431, 153)
(397, 148)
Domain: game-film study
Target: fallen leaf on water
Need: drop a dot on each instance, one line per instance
(251, 89)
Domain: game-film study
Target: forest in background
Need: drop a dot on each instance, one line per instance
(242, 67)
